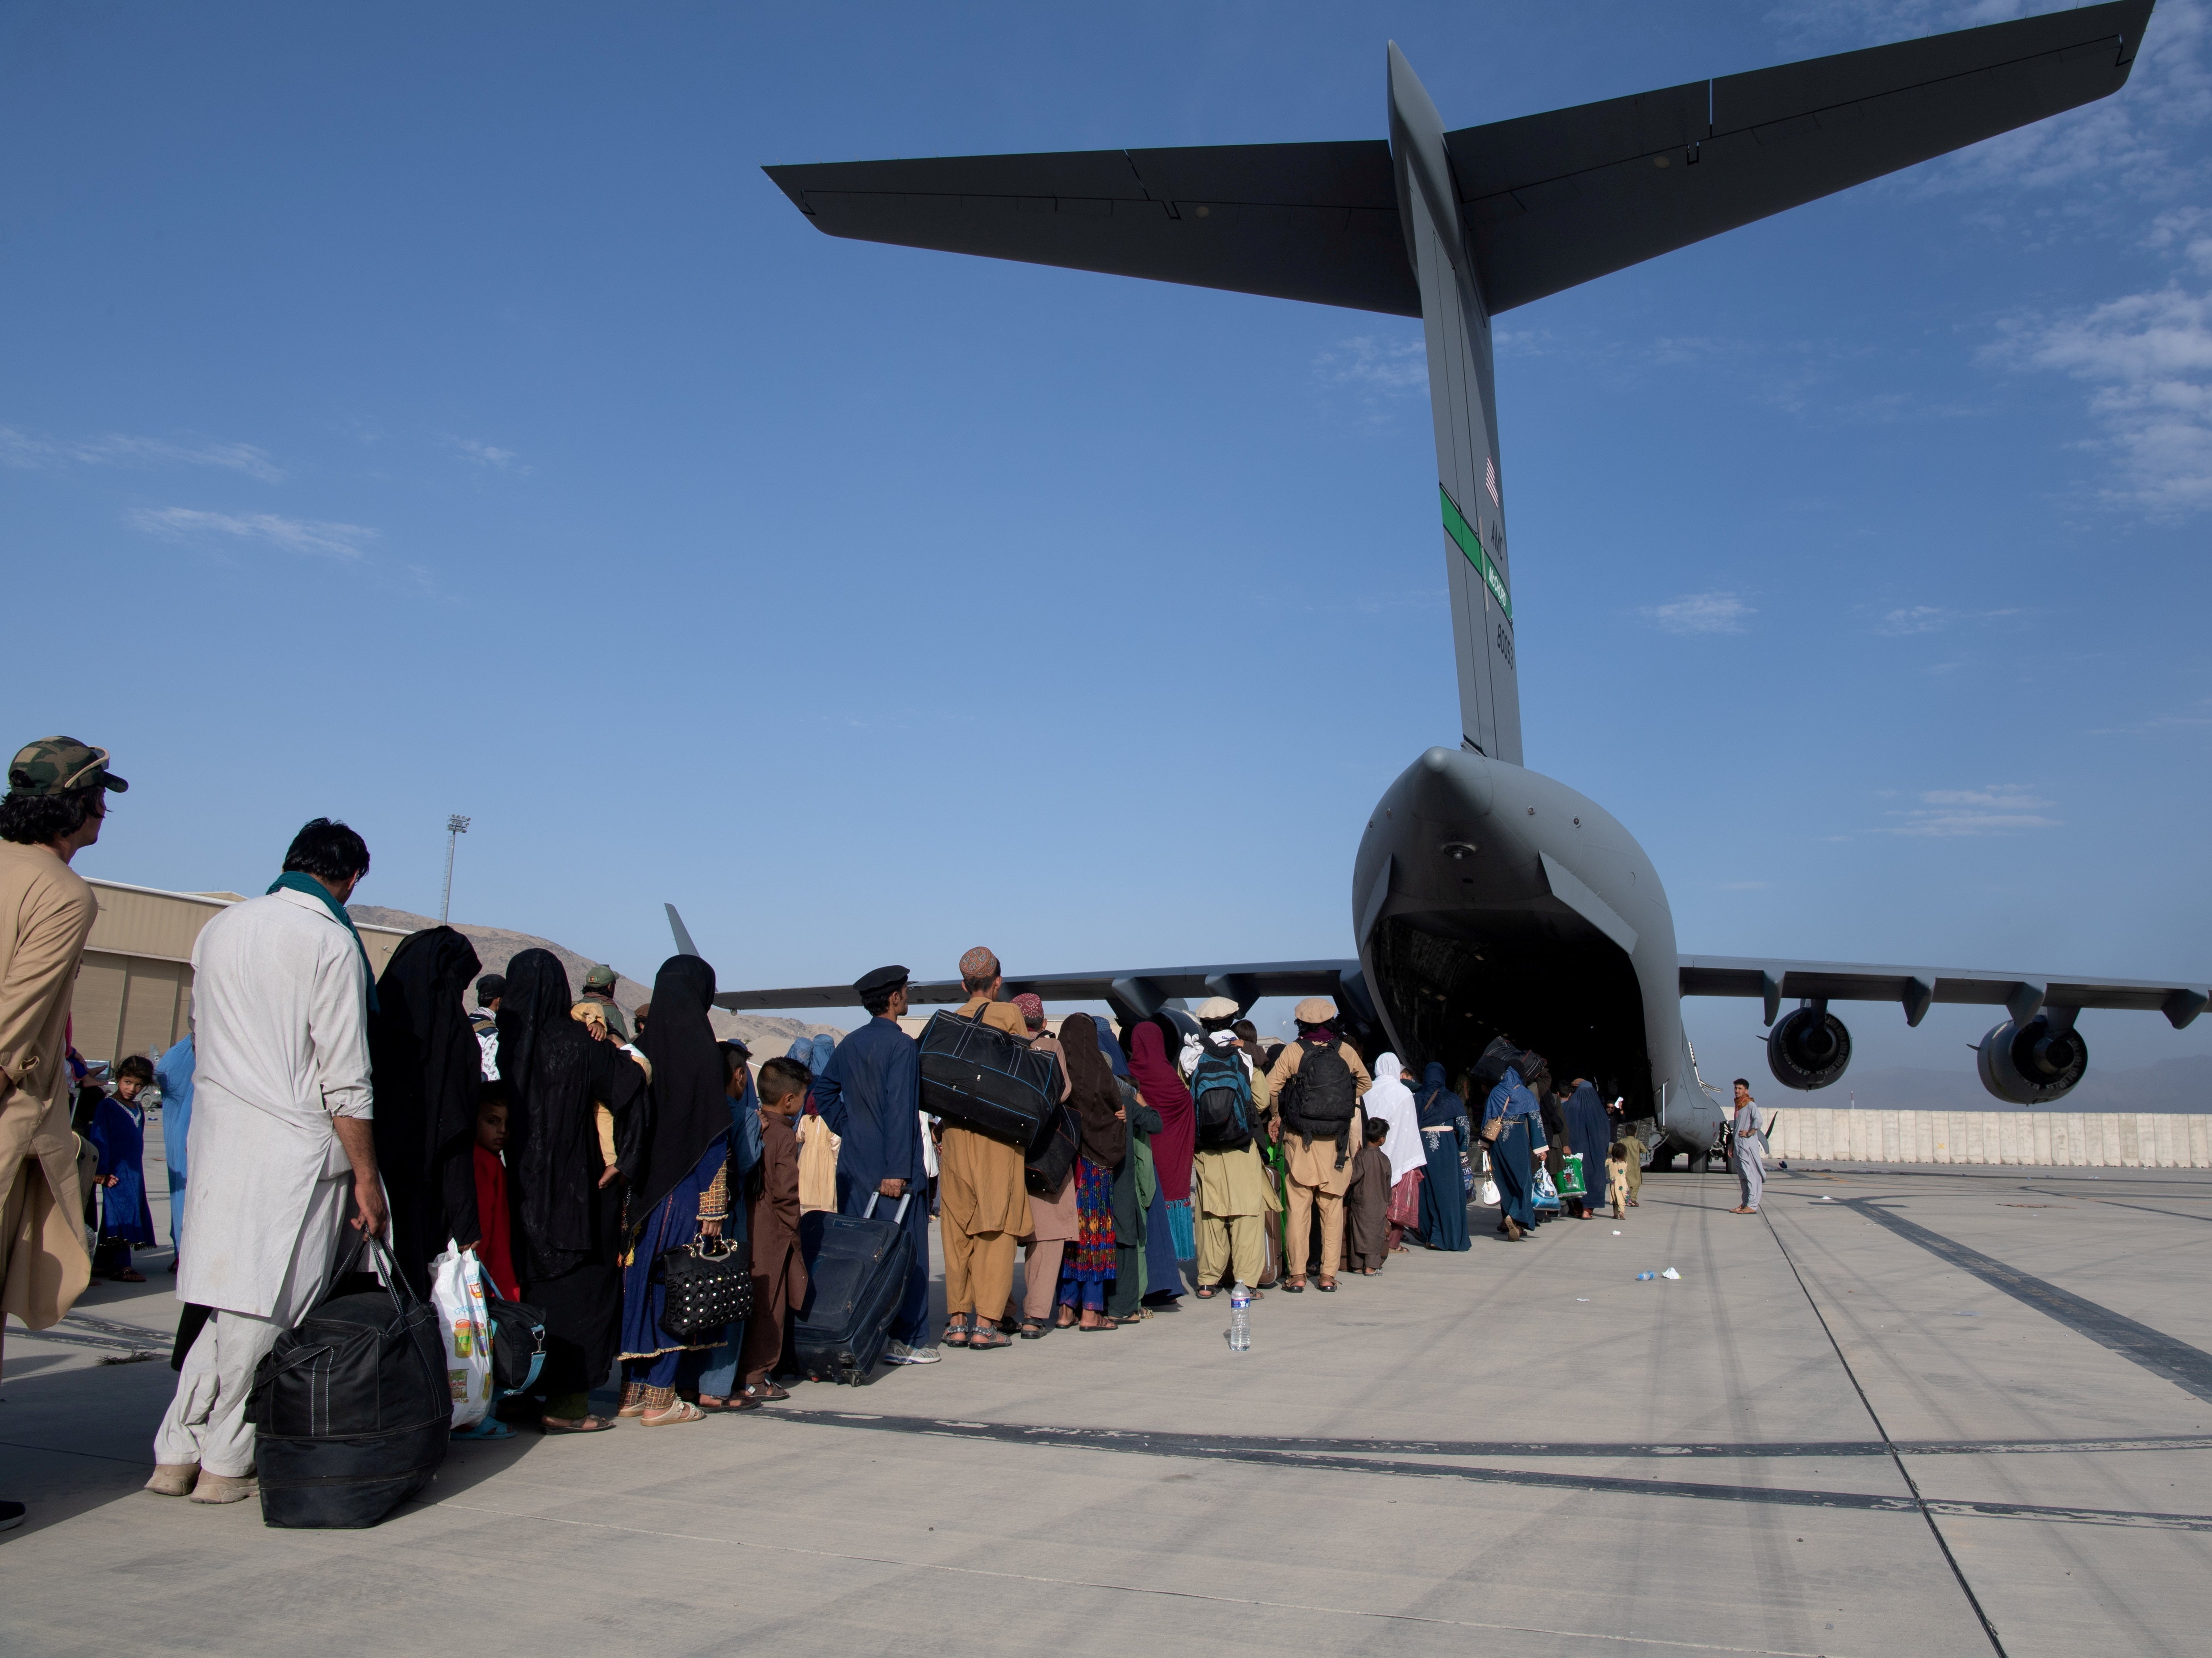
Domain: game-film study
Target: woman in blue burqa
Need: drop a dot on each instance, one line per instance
(1589, 1133)
(1445, 1137)
(1512, 1153)
(682, 1197)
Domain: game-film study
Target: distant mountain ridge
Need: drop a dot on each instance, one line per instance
(497, 946)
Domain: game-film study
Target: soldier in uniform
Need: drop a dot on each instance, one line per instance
(599, 987)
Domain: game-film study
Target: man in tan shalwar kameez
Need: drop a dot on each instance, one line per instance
(1315, 1175)
(57, 798)
(1231, 1191)
(982, 1203)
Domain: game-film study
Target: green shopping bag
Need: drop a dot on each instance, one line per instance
(1570, 1176)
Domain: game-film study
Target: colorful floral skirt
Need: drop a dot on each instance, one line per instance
(1090, 1259)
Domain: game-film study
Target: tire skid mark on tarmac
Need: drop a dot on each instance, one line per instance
(1229, 1448)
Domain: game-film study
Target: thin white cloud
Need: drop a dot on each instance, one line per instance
(26, 452)
(1702, 613)
(1380, 373)
(1993, 809)
(2149, 358)
(1914, 619)
(319, 538)
(484, 454)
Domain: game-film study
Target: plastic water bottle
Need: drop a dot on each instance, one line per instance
(1239, 1320)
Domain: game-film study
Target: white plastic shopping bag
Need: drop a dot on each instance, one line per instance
(457, 1290)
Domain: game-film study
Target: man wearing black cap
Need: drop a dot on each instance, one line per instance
(870, 1094)
(57, 798)
(486, 1021)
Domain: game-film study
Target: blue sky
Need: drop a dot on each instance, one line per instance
(411, 409)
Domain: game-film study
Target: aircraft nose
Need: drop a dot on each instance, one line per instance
(1452, 786)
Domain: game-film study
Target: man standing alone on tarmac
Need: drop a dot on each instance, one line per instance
(1750, 1125)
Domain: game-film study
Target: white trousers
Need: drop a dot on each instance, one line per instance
(206, 1421)
(1750, 1173)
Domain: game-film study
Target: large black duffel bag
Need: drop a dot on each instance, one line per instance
(1489, 1070)
(856, 1274)
(989, 1080)
(352, 1409)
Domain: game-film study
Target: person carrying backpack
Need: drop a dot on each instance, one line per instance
(1230, 1186)
(1316, 1084)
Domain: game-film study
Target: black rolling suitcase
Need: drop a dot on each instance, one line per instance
(352, 1409)
(856, 1272)
(989, 1080)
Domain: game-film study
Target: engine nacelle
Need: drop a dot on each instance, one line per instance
(2032, 1064)
(1809, 1047)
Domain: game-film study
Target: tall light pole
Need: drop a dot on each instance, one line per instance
(456, 827)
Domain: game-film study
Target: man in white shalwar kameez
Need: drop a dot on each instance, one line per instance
(280, 1148)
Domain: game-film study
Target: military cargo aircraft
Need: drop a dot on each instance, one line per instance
(1487, 898)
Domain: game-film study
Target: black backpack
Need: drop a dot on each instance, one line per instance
(1221, 1089)
(1489, 1070)
(1322, 1093)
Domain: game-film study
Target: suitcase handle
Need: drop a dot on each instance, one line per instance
(897, 1219)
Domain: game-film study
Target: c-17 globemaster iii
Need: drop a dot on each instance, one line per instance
(1487, 898)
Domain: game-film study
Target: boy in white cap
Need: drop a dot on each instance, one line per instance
(1229, 1188)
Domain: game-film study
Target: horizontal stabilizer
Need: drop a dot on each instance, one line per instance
(1556, 199)
(1296, 222)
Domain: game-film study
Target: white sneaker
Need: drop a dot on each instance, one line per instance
(899, 1353)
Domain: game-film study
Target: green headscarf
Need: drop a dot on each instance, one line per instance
(293, 880)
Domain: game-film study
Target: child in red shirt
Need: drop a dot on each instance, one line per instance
(494, 1249)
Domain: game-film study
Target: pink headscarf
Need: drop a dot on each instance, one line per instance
(1163, 1091)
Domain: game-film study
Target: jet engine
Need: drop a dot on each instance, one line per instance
(1809, 1047)
(2035, 1063)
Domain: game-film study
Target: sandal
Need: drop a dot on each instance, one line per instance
(988, 1337)
(1066, 1323)
(1033, 1329)
(729, 1406)
(1206, 1292)
(956, 1330)
(1327, 1287)
(766, 1392)
(682, 1411)
(633, 1400)
(582, 1424)
(1105, 1322)
(1296, 1286)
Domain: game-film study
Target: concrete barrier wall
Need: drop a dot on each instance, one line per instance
(2073, 1139)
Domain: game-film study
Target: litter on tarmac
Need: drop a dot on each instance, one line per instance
(1670, 1272)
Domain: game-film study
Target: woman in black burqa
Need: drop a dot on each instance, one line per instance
(567, 1201)
(681, 1196)
(429, 1073)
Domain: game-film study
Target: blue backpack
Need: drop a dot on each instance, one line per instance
(1221, 1089)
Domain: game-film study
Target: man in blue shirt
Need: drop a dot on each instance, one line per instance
(870, 1094)
(173, 1073)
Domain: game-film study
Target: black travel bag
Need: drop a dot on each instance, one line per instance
(352, 1408)
(1489, 1070)
(1047, 1167)
(856, 1272)
(988, 1079)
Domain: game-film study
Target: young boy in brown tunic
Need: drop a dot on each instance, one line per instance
(1616, 1178)
(1366, 1204)
(772, 1212)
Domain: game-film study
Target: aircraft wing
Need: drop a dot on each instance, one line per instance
(1917, 988)
(1556, 199)
(1550, 200)
(1134, 993)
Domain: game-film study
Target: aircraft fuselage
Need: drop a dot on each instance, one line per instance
(1489, 899)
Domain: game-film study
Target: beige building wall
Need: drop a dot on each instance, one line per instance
(134, 992)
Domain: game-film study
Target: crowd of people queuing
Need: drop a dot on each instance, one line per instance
(315, 1106)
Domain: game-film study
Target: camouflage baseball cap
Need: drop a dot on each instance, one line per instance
(55, 765)
(601, 977)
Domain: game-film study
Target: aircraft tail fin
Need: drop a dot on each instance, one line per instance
(683, 944)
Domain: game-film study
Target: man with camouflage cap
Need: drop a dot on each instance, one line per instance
(57, 798)
(599, 987)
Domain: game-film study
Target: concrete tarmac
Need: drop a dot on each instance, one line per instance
(1901, 1411)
